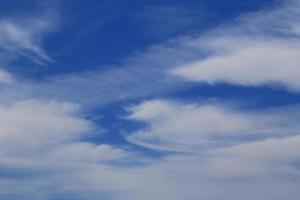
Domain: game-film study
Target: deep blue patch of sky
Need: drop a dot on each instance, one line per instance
(98, 34)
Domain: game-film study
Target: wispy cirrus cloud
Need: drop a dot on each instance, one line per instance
(22, 35)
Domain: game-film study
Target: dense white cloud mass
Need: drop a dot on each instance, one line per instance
(40, 146)
(268, 158)
(221, 157)
(39, 123)
(42, 157)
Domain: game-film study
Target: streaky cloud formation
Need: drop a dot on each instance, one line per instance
(257, 51)
(187, 127)
(260, 63)
(21, 35)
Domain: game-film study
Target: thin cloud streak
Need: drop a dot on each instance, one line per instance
(21, 36)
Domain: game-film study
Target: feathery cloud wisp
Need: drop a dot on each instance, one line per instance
(22, 36)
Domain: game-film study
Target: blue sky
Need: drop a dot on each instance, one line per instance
(142, 100)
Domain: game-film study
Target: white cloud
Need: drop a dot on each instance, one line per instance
(98, 87)
(39, 124)
(87, 152)
(257, 159)
(93, 171)
(253, 65)
(242, 165)
(186, 127)
(262, 48)
(21, 36)
(6, 77)
(41, 147)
